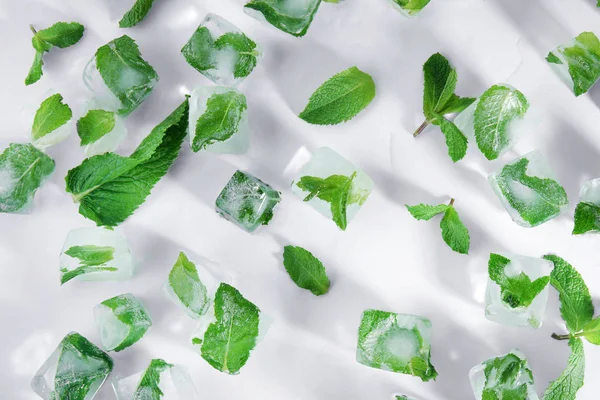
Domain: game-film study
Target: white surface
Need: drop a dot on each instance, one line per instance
(385, 260)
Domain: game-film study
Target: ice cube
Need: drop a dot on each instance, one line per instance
(529, 190)
(396, 342)
(159, 381)
(247, 201)
(590, 192)
(221, 52)
(291, 16)
(95, 254)
(402, 397)
(121, 321)
(500, 377)
(409, 8)
(76, 366)
(503, 306)
(224, 115)
(339, 178)
(111, 140)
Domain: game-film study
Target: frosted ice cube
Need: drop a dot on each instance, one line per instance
(503, 373)
(56, 136)
(590, 192)
(247, 201)
(111, 140)
(407, 7)
(95, 254)
(75, 364)
(498, 310)
(172, 381)
(103, 97)
(396, 342)
(529, 190)
(238, 142)
(221, 52)
(325, 163)
(291, 16)
(121, 321)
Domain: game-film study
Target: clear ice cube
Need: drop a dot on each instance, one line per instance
(590, 192)
(56, 136)
(325, 163)
(239, 141)
(76, 365)
(95, 254)
(505, 373)
(291, 16)
(121, 321)
(498, 310)
(110, 141)
(247, 201)
(407, 7)
(531, 198)
(172, 381)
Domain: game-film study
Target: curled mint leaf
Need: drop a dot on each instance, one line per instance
(122, 321)
(51, 115)
(244, 47)
(95, 125)
(294, 19)
(305, 270)
(136, 14)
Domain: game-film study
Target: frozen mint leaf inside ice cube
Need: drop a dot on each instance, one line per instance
(187, 286)
(244, 47)
(291, 16)
(412, 7)
(91, 259)
(95, 125)
(136, 14)
(506, 377)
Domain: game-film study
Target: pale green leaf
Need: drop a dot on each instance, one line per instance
(51, 115)
(278, 14)
(187, 286)
(131, 312)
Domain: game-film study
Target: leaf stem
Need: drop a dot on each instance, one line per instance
(421, 128)
(560, 337)
(33, 29)
(451, 202)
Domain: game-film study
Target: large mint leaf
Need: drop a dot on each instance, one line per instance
(244, 47)
(340, 98)
(110, 187)
(294, 20)
(95, 125)
(229, 340)
(136, 14)
(305, 270)
(125, 73)
(221, 120)
(187, 286)
(51, 115)
(571, 380)
(412, 7)
(149, 386)
(23, 169)
(498, 107)
(587, 218)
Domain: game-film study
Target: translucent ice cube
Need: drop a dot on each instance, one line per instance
(396, 342)
(402, 397)
(590, 192)
(409, 8)
(506, 373)
(529, 190)
(497, 307)
(51, 112)
(159, 381)
(75, 365)
(291, 16)
(324, 164)
(110, 141)
(220, 51)
(228, 107)
(121, 321)
(95, 254)
(247, 201)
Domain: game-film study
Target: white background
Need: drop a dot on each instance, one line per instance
(385, 260)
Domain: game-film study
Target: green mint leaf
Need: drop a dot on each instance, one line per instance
(91, 255)
(244, 47)
(535, 210)
(497, 108)
(506, 377)
(278, 14)
(571, 380)
(94, 125)
(553, 59)
(23, 169)
(110, 187)
(516, 291)
(221, 120)
(587, 218)
(136, 14)
(36, 71)
(576, 305)
(229, 340)
(425, 212)
(457, 104)
(199, 50)
(440, 82)
(412, 7)
(51, 115)
(335, 189)
(125, 72)
(305, 270)
(187, 286)
(454, 233)
(591, 331)
(149, 386)
(131, 312)
(340, 98)
(455, 140)
(66, 276)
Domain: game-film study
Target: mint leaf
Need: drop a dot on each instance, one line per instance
(129, 311)
(199, 50)
(591, 331)
(136, 14)
(110, 187)
(91, 255)
(221, 120)
(576, 305)
(544, 199)
(51, 115)
(455, 140)
(149, 386)
(61, 35)
(187, 286)
(229, 340)
(335, 189)
(412, 7)
(125, 73)
(244, 47)
(94, 125)
(23, 169)
(498, 107)
(305, 270)
(506, 377)
(426, 212)
(294, 20)
(340, 98)
(571, 380)
(454, 233)
(587, 218)
(516, 291)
